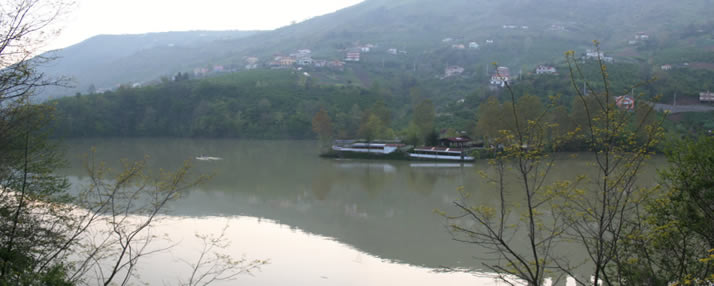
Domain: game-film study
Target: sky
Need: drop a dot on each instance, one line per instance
(95, 17)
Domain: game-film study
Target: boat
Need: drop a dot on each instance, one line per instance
(440, 153)
(368, 148)
(450, 149)
(208, 158)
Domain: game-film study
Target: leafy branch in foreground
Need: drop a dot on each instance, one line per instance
(212, 266)
(534, 217)
(519, 234)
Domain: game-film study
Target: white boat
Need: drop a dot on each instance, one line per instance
(440, 153)
(373, 148)
(440, 165)
(208, 158)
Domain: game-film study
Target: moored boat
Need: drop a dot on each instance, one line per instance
(370, 148)
(440, 153)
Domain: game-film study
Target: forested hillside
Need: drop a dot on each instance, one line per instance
(427, 35)
(261, 104)
(282, 104)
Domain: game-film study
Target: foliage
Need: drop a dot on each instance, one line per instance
(33, 225)
(46, 231)
(322, 126)
(595, 212)
(422, 124)
(518, 233)
(675, 240)
(260, 104)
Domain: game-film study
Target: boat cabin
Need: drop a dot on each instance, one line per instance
(455, 142)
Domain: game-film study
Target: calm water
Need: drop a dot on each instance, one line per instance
(318, 221)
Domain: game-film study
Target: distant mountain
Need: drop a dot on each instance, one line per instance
(524, 33)
(108, 60)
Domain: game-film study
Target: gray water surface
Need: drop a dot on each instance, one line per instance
(319, 221)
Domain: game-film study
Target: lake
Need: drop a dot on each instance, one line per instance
(318, 221)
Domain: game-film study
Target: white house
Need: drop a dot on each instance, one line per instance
(706, 97)
(392, 51)
(489, 41)
(352, 57)
(453, 71)
(557, 27)
(304, 61)
(666, 67)
(501, 77)
(458, 46)
(542, 69)
(473, 45)
(590, 54)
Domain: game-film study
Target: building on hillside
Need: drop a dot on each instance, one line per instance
(625, 102)
(557, 27)
(287, 61)
(489, 41)
(666, 67)
(352, 56)
(447, 40)
(200, 71)
(304, 61)
(473, 45)
(542, 69)
(392, 51)
(524, 27)
(642, 36)
(339, 65)
(281, 62)
(593, 54)
(706, 97)
(453, 71)
(501, 77)
(319, 63)
(458, 46)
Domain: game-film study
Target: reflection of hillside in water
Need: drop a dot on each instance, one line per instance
(383, 208)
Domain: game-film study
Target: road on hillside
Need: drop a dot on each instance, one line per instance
(683, 108)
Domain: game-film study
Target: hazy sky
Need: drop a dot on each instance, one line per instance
(94, 17)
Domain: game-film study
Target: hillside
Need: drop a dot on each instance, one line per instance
(255, 104)
(535, 32)
(108, 60)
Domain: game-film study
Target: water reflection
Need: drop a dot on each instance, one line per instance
(296, 257)
(384, 211)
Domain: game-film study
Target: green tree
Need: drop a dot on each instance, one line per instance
(674, 241)
(322, 126)
(373, 128)
(423, 119)
(44, 229)
(490, 119)
(595, 212)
